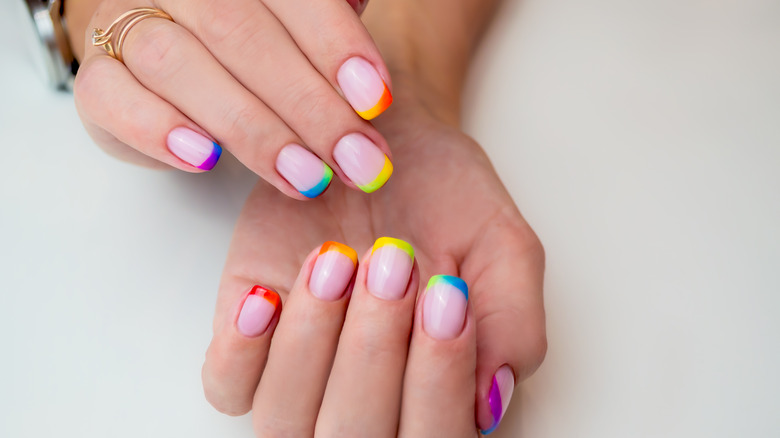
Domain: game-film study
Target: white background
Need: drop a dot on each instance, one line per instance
(641, 139)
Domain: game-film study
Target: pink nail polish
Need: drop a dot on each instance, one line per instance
(304, 170)
(390, 267)
(258, 310)
(444, 308)
(332, 271)
(363, 87)
(193, 148)
(500, 393)
(363, 162)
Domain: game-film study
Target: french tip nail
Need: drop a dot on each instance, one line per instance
(381, 179)
(257, 311)
(193, 148)
(317, 190)
(400, 244)
(381, 106)
(500, 394)
(452, 280)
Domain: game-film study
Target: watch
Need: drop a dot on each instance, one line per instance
(54, 54)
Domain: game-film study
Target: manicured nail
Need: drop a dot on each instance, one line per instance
(258, 310)
(363, 87)
(363, 162)
(499, 396)
(390, 267)
(332, 271)
(193, 148)
(444, 309)
(304, 170)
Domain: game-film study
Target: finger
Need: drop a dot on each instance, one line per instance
(342, 51)
(109, 97)
(173, 64)
(238, 351)
(363, 395)
(510, 327)
(293, 383)
(439, 385)
(269, 63)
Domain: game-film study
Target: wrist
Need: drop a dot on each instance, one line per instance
(427, 46)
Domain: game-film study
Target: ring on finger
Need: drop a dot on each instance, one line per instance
(112, 38)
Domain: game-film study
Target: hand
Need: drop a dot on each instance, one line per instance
(333, 371)
(448, 203)
(264, 79)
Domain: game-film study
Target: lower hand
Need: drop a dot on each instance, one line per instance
(449, 204)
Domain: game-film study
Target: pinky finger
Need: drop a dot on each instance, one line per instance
(120, 113)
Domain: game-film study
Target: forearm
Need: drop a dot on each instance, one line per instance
(428, 46)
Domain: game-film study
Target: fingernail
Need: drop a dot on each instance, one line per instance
(444, 309)
(193, 148)
(363, 162)
(332, 271)
(363, 87)
(304, 170)
(499, 396)
(390, 267)
(256, 313)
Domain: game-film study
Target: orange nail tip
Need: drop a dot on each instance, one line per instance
(339, 247)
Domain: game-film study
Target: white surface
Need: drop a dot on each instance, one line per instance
(641, 139)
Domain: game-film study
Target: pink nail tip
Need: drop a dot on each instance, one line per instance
(193, 148)
(500, 394)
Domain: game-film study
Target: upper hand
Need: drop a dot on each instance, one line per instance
(284, 85)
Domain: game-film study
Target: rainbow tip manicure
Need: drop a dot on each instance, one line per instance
(268, 294)
(380, 179)
(339, 247)
(212, 159)
(398, 243)
(453, 281)
(327, 176)
(494, 400)
(384, 102)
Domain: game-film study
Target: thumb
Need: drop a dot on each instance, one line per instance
(509, 308)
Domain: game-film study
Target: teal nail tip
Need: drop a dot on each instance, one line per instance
(453, 281)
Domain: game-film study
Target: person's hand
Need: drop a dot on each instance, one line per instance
(284, 85)
(350, 354)
(445, 200)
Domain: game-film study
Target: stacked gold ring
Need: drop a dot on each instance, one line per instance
(120, 27)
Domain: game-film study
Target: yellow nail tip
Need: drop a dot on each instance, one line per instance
(339, 247)
(381, 179)
(398, 243)
(380, 107)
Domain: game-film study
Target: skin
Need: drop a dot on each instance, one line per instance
(464, 225)
(444, 198)
(271, 81)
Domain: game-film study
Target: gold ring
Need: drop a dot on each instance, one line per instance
(120, 27)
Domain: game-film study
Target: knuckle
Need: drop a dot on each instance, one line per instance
(241, 122)
(220, 25)
(314, 104)
(88, 85)
(151, 52)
